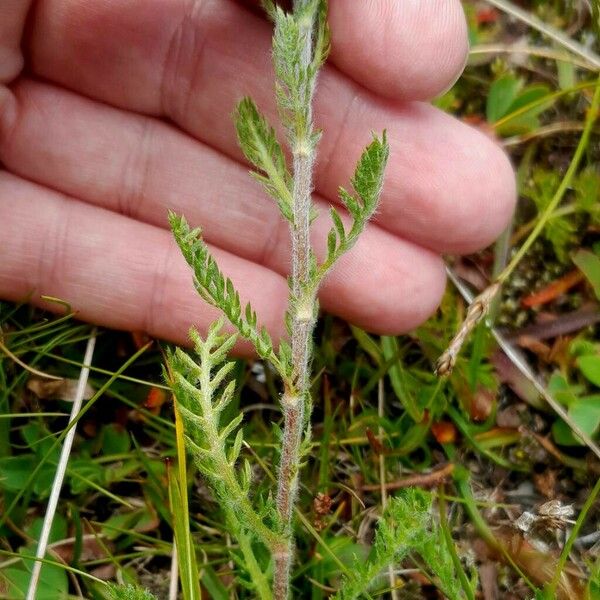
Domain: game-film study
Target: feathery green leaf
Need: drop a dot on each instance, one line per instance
(218, 290)
(296, 71)
(368, 184)
(406, 527)
(368, 177)
(259, 143)
(129, 592)
(202, 393)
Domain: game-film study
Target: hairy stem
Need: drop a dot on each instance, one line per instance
(303, 321)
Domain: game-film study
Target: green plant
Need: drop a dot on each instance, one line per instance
(394, 540)
(129, 592)
(300, 46)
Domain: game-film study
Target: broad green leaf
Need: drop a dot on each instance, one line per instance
(589, 264)
(529, 95)
(562, 390)
(15, 472)
(528, 120)
(502, 94)
(58, 531)
(53, 583)
(39, 439)
(586, 413)
(115, 440)
(582, 347)
(563, 435)
(590, 367)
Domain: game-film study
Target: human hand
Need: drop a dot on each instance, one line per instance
(123, 110)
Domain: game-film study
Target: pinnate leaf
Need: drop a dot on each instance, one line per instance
(259, 144)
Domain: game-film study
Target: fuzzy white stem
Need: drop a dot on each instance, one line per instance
(303, 322)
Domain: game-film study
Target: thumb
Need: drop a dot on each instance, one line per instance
(12, 21)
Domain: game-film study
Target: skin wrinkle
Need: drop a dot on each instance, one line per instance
(52, 256)
(10, 121)
(267, 212)
(180, 71)
(8, 117)
(125, 284)
(278, 233)
(13, 14)
(132, 192)
(156, 308)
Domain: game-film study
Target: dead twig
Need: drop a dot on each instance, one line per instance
(419, 480)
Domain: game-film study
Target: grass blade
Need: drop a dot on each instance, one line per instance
(61, 469)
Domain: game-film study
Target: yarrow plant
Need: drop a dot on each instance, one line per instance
(263, 524)
(201, 387)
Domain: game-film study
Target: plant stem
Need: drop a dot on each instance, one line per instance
(462, 576)
(303, 310)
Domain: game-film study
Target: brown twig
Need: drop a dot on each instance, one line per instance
(419, 480)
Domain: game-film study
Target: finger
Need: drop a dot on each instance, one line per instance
(448, 186)
(409, 49)
(12, 21)
(403, 50)
(142, 167)
(445, 174)
(113, 271)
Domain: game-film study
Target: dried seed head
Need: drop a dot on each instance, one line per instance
(477, 311)
(445, 364)
(526, 521)
(322, 504)
(556, 514)
(551, 515)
